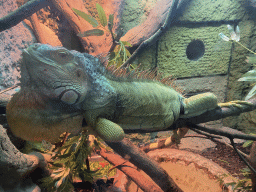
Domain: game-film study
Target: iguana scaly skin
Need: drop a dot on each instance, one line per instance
(60, 87)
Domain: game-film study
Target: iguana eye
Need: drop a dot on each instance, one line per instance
(78, 73)
(63, 54)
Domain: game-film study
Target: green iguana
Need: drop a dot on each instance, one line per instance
(60, 88)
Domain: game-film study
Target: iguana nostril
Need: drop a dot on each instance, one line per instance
(35, 46)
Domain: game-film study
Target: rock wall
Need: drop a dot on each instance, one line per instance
(12, 41)
(193, 52)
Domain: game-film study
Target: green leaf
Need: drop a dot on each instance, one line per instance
(126, 43)
(251, 93)
(247, 143)
(249, 76)
(93, 32)
(128, 53)
(86, 17)
(111, 21)
(102, 15)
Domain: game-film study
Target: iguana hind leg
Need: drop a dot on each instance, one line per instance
(198, 104)
(108, 130)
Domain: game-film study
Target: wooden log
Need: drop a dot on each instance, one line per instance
(125, 148)
(130, 170)
(22, 13)
(15, 165)
(94, 45)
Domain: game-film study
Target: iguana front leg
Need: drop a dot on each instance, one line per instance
(108, 130)
(201, 103)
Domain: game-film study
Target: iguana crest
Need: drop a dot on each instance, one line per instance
(71, 86)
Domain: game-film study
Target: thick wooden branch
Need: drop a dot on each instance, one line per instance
(136, 156)
(22, 13)
(14, 165)
(210, 130)
(130, 170)
(94, 45)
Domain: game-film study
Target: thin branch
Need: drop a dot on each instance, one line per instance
(241, 157)
(227, 144)
(215, 139)
(21, 13)
(204, 133)
(222, 133)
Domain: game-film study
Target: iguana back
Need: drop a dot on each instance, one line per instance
(76, 85)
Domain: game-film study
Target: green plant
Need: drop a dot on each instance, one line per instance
(234, 37)
(241, 185)
(250, 75)
(70, 161)
(120, 53)
(249, 142)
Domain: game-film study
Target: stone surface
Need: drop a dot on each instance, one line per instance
(218, 10)
(237, 90)
(135, 12)
(215, 84)
(172, 58)
(196, 143)
(12, 41)
(147, 59)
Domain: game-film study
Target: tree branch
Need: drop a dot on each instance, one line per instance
(21, 13)
(215, 114)
(130, 170)
(125, 148)
(13, 164)
(221, 132)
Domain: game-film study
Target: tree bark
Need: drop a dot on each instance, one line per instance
(130, 170)
(14, 165)
(22, 13)
(126, 149)
(94, 45)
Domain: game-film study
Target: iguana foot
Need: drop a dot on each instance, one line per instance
(178, 134)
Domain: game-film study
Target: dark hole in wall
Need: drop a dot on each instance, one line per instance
(195, 49)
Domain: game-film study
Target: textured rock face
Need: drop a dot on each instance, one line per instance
(135, 12)
(12, 41)
(216, 61)
(174, 57)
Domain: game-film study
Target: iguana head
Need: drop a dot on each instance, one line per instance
(55, 71)
(57, 87)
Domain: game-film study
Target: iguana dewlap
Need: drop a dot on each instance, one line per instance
(60, 87)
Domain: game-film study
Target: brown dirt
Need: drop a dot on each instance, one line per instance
(188, 182)
(227, 158)
(222, 154)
